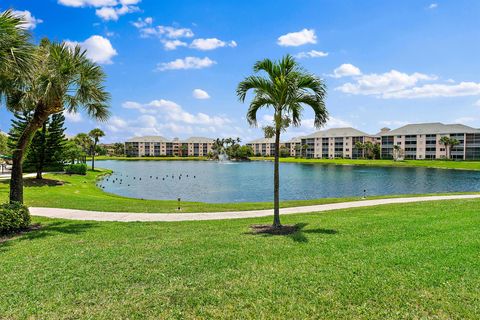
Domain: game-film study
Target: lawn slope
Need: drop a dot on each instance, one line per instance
(388, 262)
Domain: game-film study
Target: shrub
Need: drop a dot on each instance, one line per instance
(78, 168)
(13, 217)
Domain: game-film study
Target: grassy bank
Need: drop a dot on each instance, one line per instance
(409, 261)
(148, 158)
(439, 164)
(80, 192)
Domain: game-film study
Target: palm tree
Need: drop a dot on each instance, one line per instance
(453, 142)
(62, 79)
(16, 52)
(360, 146)
(396, 151)
(287, 88)
(95, 134)
(445, 141)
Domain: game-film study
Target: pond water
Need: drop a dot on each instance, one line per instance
(209, 181)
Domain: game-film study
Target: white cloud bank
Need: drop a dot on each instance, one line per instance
(211, 44)
(30, 22)
(186, 63)
(107, 9)
(399, 85)
(200, 94)
(99, 49)
(295, 39)
(311, 54)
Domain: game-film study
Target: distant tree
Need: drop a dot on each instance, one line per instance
(95, 134)
(360, 146)
(298, 151)
(396, 152)
(304, 150)
(119, 149)
(445, 141)
(73, 152)
(4, 149)
(284, 152)
(452, 143)
(376, 151)
(184, 150)
(101, 150)
(85, 142)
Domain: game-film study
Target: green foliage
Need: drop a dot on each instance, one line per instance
(46, 151)
(73, 152)
(77, 168)
(229, 146)
(14, 217)
(4, 149)
(119, 149)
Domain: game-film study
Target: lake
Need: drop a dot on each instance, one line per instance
(209, 181)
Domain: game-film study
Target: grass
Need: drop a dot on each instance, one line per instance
(80, 192)
(409, 261)
(439, 164)
(146, 158)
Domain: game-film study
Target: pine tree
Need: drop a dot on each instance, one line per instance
(46, 151)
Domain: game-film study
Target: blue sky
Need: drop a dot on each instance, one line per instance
(173, 66)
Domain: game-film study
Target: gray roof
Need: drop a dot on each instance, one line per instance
(262, 140)
(198, 140)
(147, 139)
(175, 140)
(294, 140)
(430, 128)
(337, 132)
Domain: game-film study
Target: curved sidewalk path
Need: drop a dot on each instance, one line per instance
(130, 217)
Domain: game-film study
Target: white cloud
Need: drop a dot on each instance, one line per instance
(173, 44)
(73, 117)
(385, 84)
(393, 123)
(147, 29)
(165, 117)
(106, 9)
(186, 63)
(87, 3)
(437, 90)
(295, 39)
(462, 120)
(211, 44)
(311, 54)
(477, 103)
(200, 94)
(30, 22)
(99, 49)
(346, 70)
(433, 6)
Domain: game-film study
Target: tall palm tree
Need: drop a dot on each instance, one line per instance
(287, 89)
(396, 152)
(95, 134)
(16, 52)
(452, 142)
(63, 78)
(445, 141)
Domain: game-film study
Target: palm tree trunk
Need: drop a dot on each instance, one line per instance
(93, 156)
(41, 160)
(16, 180)
(276, 182)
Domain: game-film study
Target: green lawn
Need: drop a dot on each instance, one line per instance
(440, 164)
(411, 261)
(80, 192)
(144, 158)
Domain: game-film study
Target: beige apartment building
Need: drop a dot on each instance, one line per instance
(335, 143)
(157, 146)
(422, 141)
(263, 147)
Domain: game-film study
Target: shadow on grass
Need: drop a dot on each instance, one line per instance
(32, 182)
(295, 232)
(44, 231)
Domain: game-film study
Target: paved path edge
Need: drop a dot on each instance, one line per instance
(74, 214)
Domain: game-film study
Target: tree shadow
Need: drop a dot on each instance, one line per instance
(39, 231)
(295, 232)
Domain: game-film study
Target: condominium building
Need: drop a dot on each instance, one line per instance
(294, 146)
(263, 147)
(335, 143)
(149, 146)
(422, 141)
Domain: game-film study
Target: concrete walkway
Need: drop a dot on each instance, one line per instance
(130, 217)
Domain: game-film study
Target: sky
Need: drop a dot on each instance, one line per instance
(173, 66)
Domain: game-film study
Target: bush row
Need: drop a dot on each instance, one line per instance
(78, 168)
